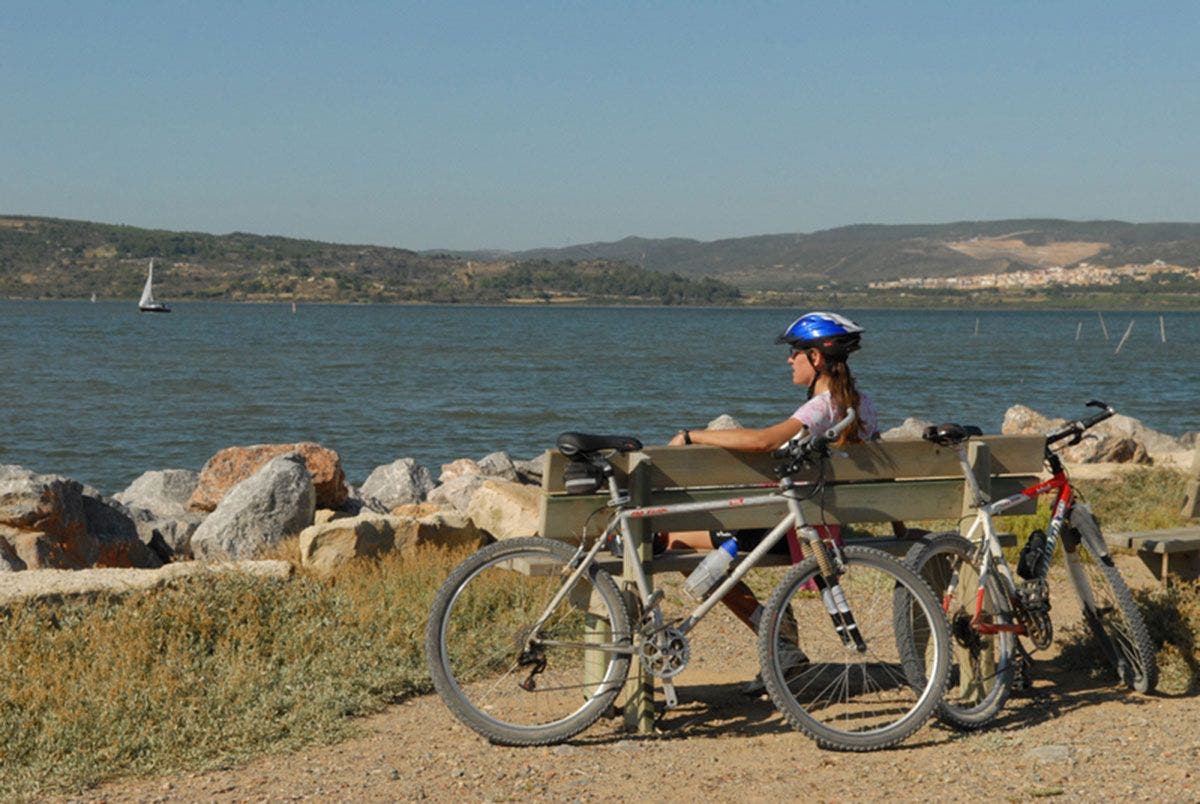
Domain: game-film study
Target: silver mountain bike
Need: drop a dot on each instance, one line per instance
(529, 640)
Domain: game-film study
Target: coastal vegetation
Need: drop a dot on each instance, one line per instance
(212, 671)
(44, 258)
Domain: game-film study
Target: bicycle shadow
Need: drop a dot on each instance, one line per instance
(1060, 688)
(716, 711)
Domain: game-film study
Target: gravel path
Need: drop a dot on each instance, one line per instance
(1068, 737)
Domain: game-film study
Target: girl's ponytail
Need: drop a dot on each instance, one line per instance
(844, 395)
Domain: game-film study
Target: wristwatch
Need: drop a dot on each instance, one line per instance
(687, 435)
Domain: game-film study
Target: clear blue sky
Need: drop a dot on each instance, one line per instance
(513, 125)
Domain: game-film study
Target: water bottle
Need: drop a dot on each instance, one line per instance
(711, 569)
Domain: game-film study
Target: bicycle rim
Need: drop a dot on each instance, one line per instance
(488, 671)
(1108, 606)
(981, 665)
(843, 697)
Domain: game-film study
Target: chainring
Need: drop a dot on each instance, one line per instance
(665, 653)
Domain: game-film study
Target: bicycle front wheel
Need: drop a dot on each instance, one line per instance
(837, 661)
(509, 679)
(1108, 606)
(982, 665)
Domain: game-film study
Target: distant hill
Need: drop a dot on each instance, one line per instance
(51, 258)
(854, 255)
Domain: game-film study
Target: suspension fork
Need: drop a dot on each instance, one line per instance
(827, 582)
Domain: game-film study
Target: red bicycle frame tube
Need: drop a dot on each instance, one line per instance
(1062, 503)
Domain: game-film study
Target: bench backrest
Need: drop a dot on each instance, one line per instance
(883, 481)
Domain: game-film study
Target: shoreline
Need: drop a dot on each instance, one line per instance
(1153, 306)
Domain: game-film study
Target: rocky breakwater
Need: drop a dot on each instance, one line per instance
(244, 502)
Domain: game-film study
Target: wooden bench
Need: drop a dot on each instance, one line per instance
(1171, 552)
(904, 480)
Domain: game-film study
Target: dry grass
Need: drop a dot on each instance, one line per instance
(205, 673)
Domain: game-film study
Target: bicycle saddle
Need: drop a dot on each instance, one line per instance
(950, 434)
(572, 444)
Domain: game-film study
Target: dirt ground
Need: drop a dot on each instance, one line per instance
(1069, 737)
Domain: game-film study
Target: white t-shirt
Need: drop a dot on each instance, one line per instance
(818, 414)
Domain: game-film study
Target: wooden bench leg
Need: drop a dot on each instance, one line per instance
(973, 670)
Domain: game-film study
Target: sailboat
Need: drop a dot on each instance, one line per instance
(147, 304)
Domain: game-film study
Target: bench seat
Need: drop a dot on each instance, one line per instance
(1171, 551)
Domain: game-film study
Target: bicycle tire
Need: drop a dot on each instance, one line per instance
(843, 698)
(479, 625)
(1108, 605)
(968, 705)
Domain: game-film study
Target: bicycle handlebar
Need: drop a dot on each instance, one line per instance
(802, 450)
(1075, 430)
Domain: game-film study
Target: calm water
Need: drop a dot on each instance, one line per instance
(101, 393)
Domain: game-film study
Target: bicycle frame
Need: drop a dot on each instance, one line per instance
(1057, 484)
(621, 521)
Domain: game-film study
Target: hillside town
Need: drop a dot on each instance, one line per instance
(1082, 274)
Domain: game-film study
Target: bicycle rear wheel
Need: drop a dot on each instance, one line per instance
(1108, 606)
(845, 695)
(982, 665)
(514, 686)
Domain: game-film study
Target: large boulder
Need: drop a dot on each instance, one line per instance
(232, 465)
(445, 529)
(330, 545)
(456, 492)
(275, 502)
(36, 550)
(724, 422)
(1106, 443)
(164, 492)
(397, 483)
(51, 507)
(504, 509)
(117, 536)
(327, 546)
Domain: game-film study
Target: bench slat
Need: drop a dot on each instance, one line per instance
(684, 467)
(906, 500)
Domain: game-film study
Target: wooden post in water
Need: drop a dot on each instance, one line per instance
(1103, 328)
(1162, 329)
(976, 326)
(1078, 329)
(1124, 337)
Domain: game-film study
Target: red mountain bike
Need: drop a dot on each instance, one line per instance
(990, 608)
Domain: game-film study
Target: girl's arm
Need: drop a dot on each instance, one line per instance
(746, 440)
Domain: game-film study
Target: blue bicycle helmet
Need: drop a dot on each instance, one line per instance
(831, 334)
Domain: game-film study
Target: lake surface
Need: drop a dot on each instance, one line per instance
(101, 393)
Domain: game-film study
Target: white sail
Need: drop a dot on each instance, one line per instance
(148, 292)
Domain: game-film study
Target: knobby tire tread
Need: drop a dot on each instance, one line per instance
(823, 735)
(1091, 539)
